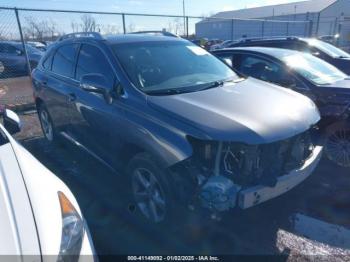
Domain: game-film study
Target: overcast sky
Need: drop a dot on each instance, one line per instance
(193, 7)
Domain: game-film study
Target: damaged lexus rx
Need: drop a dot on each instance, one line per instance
(183, 128)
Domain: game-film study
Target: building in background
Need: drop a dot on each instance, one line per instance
(306, 18)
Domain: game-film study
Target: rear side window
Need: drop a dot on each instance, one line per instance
(47, 62)
(8, 49)
(63, 60)
(260, 68)
(92, 60)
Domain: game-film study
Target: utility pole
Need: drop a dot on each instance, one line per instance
(184, 15)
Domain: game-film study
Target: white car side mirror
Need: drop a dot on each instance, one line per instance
(12, 122)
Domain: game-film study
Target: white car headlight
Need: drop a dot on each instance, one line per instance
(73, 231)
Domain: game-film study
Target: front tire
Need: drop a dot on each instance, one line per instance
(151, 189)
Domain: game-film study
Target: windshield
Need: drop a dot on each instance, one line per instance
(170, 65)
(313, 68)
(329, 49)
(30, 49)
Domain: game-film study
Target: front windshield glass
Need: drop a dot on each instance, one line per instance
(329, 49)
(30, 49)
(180, 66)
(313, 68)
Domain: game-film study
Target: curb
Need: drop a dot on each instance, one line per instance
(21, 107)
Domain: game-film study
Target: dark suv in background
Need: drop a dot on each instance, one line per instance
(318, 48)
(13, 61)
(326, 85)
(178, 123)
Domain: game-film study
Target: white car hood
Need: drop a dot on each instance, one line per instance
(17, 226)
(42, 187)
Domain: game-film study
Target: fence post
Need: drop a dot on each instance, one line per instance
(232, 24)
(124, 28)
(311, 25)
(23, 43)
(187, 27)
(335, 26)
(263, 29)
(318, 24)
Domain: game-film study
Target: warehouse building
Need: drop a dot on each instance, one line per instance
(306, 18)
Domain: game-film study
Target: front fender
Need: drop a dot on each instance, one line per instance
(167, 147)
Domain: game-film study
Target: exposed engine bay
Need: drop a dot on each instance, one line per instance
(222, 169)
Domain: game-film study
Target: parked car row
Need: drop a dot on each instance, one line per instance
(13, 61)
(324, 81)
(190, 132)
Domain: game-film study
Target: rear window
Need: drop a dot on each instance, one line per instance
(63, 60)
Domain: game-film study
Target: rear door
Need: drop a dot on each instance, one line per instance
(56, 84)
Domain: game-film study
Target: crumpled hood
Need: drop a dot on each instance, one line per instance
(250, 111)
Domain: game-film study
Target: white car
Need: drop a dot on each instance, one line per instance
(39, 215)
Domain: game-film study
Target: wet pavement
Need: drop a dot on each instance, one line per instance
(312, 220)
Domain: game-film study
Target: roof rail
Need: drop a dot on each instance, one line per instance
(269, 38)
(163, 33)
(81, 34)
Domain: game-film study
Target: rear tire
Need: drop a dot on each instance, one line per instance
(151, 190)
(47, 124)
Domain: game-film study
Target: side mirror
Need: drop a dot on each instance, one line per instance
(96, 83)
(12, 122)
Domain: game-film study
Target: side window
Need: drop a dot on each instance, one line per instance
(8, 49)
(259, 68)
(47, 62)
(63, 60)
(92, 60)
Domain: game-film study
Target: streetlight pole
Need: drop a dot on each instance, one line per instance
(184, 15)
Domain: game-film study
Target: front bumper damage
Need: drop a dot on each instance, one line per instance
(219, 193)
(258, 194)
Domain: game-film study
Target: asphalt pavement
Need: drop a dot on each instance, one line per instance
(311, 222)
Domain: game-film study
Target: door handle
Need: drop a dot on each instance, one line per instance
(72, 97)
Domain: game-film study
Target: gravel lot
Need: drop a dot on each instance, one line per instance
(313, 219)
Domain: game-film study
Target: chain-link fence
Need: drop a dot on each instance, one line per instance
(25, 34)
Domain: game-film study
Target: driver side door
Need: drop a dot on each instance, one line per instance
(94, 121)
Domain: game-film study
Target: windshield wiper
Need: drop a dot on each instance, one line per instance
(173, 91)
(215, 84)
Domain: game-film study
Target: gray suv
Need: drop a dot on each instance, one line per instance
(180, 125)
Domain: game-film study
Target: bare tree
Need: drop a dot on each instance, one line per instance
(131, 27)
(35, 29)
(88, 24)
(74, 26)
(110, 29)
(178, 26)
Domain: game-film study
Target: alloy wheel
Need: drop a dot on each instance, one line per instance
(149, 195)
(338, 147)
(46, 125)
